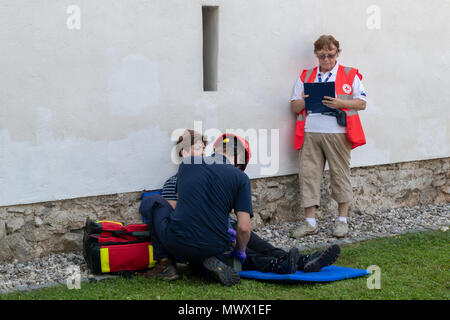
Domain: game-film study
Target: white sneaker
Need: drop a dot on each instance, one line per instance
(340, 229)
(304, 230)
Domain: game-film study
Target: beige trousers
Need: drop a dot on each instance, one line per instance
(317, 148)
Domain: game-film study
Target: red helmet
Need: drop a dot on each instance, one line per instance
(225, 139)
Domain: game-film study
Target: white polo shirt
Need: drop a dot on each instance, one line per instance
(316, 122)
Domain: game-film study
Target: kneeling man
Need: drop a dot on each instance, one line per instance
(209, 188)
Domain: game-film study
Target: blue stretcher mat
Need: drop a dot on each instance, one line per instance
(330, 273)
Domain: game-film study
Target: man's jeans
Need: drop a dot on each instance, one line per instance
(156, 210)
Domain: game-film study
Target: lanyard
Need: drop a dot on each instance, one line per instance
(326, 79)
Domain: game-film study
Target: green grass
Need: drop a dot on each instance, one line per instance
(413, 266)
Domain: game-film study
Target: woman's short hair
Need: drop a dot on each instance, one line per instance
(326, 42)
(188, 139)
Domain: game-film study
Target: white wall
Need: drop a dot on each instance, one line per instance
(92, 111)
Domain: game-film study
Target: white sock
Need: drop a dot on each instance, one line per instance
(311, 221)
(343, 219)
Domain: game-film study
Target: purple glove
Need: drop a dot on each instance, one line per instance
(232, 233)
(238, 255)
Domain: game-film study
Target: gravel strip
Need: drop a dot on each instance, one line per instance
(362, 226)
(58, 268)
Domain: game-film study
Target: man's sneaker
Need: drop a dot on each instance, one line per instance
(340, 229)
(325, 258)
(164, 269)
(221, 272)
(286, 264)
(304, 230)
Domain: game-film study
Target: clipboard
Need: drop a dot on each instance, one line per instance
(316, 92)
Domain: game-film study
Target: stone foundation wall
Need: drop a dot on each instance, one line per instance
(35, 230)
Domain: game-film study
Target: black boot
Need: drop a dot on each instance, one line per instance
(221, 272)
(304, 258)
(319, 259)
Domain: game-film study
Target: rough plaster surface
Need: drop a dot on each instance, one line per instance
(34, 230)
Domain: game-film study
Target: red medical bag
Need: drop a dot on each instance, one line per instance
(109, 247)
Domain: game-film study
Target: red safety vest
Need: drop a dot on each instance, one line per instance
(344, 90)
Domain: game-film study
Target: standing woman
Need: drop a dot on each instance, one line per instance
(320, 138)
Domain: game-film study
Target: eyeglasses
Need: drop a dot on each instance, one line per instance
(324, 56)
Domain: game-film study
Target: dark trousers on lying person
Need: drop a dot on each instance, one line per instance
(260, 253)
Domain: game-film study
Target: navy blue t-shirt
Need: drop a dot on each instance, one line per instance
(208, 189)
